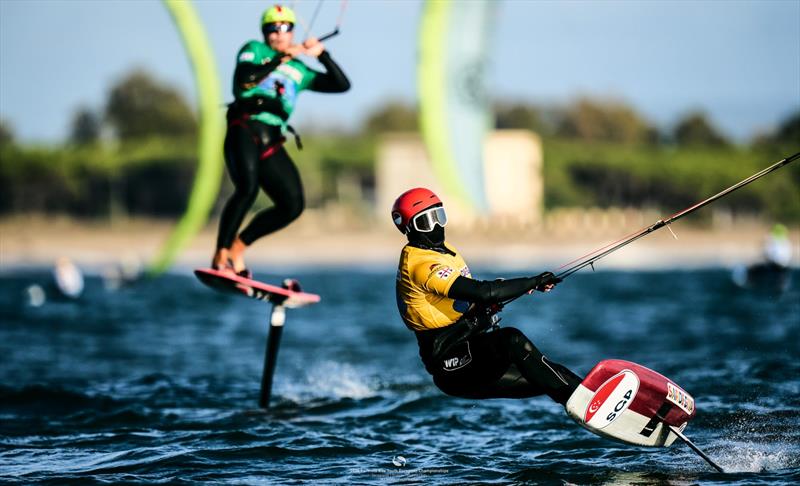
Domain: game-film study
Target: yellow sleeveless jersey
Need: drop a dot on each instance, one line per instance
(423, 279)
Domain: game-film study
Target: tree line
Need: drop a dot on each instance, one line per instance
(135, 156)
(594, 120)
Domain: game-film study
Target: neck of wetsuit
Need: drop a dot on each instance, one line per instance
(438, 248)
(431, 240)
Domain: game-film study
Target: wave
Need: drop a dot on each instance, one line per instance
(37, 400)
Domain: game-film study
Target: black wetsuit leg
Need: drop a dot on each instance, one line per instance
(276, 174)
(242, 152)
(503, 364)
(280, 179)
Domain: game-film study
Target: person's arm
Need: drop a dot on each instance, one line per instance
(333, 80)
(248, 73)
(484, 293)
(493, 292)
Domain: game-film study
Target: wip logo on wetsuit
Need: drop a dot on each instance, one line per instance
(459, 357)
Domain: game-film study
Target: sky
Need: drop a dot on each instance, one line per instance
(739, 61)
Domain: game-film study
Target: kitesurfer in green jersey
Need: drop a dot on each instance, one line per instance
(266, 83)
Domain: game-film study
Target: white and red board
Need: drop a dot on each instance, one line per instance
(628, 402)
(227, 281)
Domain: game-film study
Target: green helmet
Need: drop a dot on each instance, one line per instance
(278, 13)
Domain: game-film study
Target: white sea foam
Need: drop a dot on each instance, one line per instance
(739, 457)
(329, 379)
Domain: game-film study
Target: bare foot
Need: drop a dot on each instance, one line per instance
(221, 258)
(237, 254)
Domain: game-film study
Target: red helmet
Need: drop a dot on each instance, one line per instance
(411, 203)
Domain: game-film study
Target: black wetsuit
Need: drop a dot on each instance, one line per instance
(255, 156)
(474, 359)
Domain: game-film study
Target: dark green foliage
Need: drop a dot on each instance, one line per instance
(668, 179)
(604, 121)
(6, 133)
(139, 106)
(85, 127)
(696, 130)
(392, 117)
(156, 186)
(586, 119)
(512, 116)
(789, 131)
(596, 154)
(152, 178)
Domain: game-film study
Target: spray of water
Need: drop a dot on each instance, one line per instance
(329, 379)
(753, 443)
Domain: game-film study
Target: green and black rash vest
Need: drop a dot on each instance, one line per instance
(267, 89)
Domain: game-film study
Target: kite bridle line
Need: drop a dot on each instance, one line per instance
(335, 31)
(591, 257)
(308, 27)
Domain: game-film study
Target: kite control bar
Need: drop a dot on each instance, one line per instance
(330, 34)
(335, 31)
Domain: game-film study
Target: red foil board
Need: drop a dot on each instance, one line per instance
(652, 394)
(226, 281)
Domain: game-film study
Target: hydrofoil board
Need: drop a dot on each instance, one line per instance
(288, 295)
(633, 404)
(628, 402)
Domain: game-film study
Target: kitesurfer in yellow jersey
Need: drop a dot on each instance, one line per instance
(452, 314)
(266, 83)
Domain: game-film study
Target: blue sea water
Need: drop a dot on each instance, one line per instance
(158, 383)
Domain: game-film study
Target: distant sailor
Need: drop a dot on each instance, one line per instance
(777, 247)
(451, 314)
(266, 83)
(68, 278)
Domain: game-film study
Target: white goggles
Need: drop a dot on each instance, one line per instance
(426, 220)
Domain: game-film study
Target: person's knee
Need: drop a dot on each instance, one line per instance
(513, 336)
(294, 207)
(518, 343)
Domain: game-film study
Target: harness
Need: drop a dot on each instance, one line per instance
(240, 113)
(437, 346)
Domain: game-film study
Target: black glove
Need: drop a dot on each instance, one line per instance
(544, 279)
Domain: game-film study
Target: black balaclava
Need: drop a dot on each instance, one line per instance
(432, 240)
